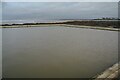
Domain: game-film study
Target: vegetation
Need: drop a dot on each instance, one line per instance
(99, 23)
(113, 24)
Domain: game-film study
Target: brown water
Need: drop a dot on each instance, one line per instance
(57, 52)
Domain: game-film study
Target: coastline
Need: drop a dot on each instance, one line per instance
(65, 25)
(111, 25)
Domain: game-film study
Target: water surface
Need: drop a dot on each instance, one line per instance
(57, 52)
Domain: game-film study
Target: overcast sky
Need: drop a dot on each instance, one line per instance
(58, 10)
(60, 0)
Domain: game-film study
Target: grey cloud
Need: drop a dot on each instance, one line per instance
(63, 10)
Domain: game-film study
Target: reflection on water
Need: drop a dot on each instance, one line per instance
(57, 52)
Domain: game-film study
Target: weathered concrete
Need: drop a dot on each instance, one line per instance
(111, 73)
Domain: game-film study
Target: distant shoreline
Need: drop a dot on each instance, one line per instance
(91, 24)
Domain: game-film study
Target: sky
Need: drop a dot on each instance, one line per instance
(57, 10)
(60, 0)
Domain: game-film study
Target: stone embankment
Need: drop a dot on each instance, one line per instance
(111, 73)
